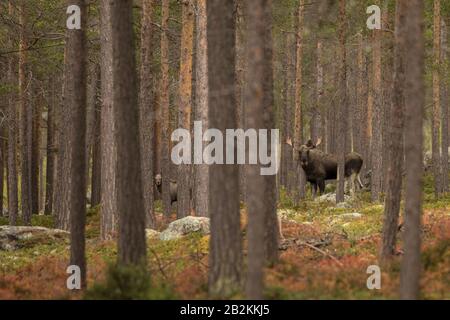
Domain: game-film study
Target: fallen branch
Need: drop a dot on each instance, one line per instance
(299, 243)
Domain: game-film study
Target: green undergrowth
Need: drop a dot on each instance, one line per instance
(127, 283)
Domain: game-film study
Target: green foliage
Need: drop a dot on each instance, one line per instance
(128, 283)
(436, 254)
(46, 221)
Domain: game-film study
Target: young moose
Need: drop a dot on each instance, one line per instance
(320, 166)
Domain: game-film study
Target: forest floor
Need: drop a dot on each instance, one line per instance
(325, 255)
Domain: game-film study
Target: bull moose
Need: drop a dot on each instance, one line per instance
(320, 166)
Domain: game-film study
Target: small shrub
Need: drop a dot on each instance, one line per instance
(127, 283)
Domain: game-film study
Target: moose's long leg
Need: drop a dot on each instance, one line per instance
(353, 184)
(280, 231)
(314, 189)
(321, 184)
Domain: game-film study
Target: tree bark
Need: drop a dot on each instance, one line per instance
(444, 112)
(394, 183)
(96, 174)
(165, 109)
(377, 137)
(76, 101)
(147, 110)
(201, 95)
(12, 137)
(35, 133)
(261, 198)
(298, 127)
(50, 169)
(24, 121)
(225, 258)
(109, 212)
(185, 104)
(435, 120)
(414, 111)
(241, 61)
(130, 205)
(343, 108)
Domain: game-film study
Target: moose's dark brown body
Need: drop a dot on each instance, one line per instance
(320, 166)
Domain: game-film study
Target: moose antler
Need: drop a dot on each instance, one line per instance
(319, 141)
(289, 141)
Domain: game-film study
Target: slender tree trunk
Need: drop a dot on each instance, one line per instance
(435, 120)
(35, 132)
(185, 104)
(376, 143)
(108, 182)
(298, 131)
(394, 183)
(225, 258)
(3, 156)
(165, 109)
(241, 31)
(414, 110)
(130, 205)
(76, 100)
(201, 95)
(93, 74)
(147, 110)
(360, 138)
(343, 109)
(387, 88)
(444, 112)
(261, 198)
(61, 193)
(317, 113)
(285, 154)
(50, 170)
(24, 127)
(96, 174)
(12, 136)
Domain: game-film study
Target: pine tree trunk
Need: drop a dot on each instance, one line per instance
(201, 96)
(377, 137)
(24, 121)
(165, 111)
(317, 115)
(298, 131)
(109, 212)
(444, 112)
(50, 169)
(12, 137)
(96, 174)
(130, 206)
(343, 108)
(435, 120)
(35, 154)
(76, 78)
(185, 104)
(147, 110)
(261, 198)
(225, 258)
(414, 110)
(394, 183)
(241, 61)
